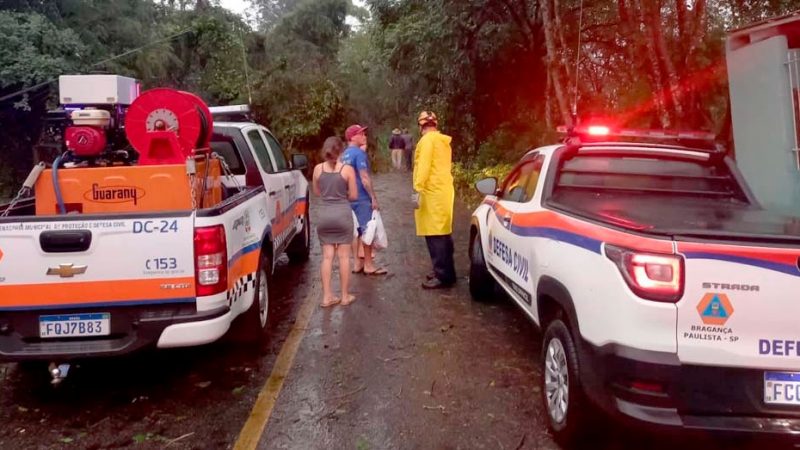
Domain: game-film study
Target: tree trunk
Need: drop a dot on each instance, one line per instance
(552, 61)
(660, 87)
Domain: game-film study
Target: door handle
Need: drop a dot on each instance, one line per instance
(507, 220)
(288, 186)
(273, 193)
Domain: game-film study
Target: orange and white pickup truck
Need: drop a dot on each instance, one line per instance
(105, 258)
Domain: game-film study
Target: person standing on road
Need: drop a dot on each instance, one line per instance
(356, 157)
(335, 184)
(408, 153)
(434, 195)
(397, 146)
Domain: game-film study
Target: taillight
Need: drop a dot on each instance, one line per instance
(649, 275)
(211, 260)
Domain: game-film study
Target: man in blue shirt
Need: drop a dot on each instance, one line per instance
(366, 202)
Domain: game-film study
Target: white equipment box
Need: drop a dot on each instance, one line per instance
(97, 90)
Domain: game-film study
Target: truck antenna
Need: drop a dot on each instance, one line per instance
(577, 67)
(246, 76)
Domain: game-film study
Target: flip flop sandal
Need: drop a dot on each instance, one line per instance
(350, 300)
(377, 272)
(335, 302)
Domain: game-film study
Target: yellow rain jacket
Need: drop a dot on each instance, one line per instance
(433, 179)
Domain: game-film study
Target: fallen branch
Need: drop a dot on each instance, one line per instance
(521, 442)
(179, 438)
(333, 411)
(386, 360)
(98, 423)
(439, 407)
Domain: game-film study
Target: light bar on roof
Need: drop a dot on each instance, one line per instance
(604, 131)
(598, 130)
(230, 109)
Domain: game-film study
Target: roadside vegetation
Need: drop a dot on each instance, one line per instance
(501, 74)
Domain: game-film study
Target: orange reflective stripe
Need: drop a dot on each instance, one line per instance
(244, 265)
(84, 292)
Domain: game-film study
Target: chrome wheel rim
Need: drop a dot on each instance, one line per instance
(263, 299)
(556, 379)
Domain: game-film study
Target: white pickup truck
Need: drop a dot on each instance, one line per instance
(91, 285)
(665, 293)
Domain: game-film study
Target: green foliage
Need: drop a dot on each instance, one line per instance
(465, 177)
(297, 94)
(35, 50)
(481, 65)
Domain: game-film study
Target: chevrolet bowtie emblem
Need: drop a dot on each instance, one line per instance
(66, 270)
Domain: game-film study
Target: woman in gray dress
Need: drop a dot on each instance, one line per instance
(335, 184)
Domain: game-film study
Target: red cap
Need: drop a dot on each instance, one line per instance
(353, 130)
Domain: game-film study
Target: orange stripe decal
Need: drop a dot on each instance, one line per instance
(78, 293)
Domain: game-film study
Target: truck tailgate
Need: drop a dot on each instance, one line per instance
(740, 306)
(77, 262)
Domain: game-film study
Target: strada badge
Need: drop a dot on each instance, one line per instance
(731, 287)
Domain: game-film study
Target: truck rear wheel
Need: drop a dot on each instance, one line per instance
(256, 320)
(300, 248)
(562, 394)
(481, 283)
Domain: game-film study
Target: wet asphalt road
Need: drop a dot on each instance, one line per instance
(399, 368)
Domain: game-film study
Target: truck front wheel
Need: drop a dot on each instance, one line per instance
(481, 283)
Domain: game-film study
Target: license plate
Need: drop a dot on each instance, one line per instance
(782, 388)
(75, 325)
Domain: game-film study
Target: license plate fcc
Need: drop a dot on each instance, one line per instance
(74, 325)
(782, 388)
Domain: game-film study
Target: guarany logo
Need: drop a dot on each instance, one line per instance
(114, 194)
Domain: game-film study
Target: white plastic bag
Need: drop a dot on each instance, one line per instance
(375, 234)
(369, 231)
(355, 224)
(381, 241)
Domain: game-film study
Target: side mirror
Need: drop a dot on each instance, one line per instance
(487, 186)
(299, 161)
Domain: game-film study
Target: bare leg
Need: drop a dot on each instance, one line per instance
(369, 264)
(358, 266)
(328, 252)
(343, 252)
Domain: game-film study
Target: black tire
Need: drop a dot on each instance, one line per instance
(481, 284)
(567, 419)
(299, 249)
(255, 322)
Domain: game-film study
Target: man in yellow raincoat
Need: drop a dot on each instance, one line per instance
(434, 194)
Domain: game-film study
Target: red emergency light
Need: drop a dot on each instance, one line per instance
(591, 132)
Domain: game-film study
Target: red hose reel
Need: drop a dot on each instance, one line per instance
(166, 126)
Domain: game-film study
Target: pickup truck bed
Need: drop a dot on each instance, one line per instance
(671, 216)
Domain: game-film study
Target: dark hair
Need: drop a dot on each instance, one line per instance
(332, 149)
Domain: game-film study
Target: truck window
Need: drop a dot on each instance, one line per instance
(277, 152)
(260, 149)
(226, 147)
(648, 175)
(520, 186)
